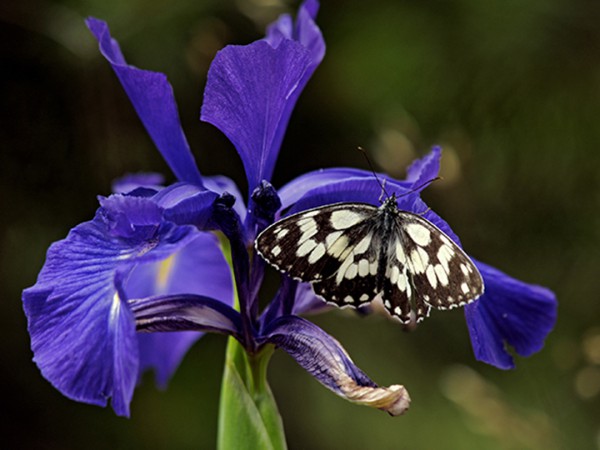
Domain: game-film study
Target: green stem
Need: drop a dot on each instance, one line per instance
(248, 414)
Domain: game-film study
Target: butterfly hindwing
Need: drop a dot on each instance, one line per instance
(355, 282)
(441, 274)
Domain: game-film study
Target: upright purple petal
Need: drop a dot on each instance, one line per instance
(82, 332)
(324, 358)
(249, 96)
(305, 31)
(153, 99)
(512, 313)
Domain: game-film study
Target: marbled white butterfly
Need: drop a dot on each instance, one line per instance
(355, 252)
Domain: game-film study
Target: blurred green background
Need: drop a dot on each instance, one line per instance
(511, 89)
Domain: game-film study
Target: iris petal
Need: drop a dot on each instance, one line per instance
(82, 332)
(198, 268)
(250, 93)
(153, 99)
(324, 358)
(510, 312)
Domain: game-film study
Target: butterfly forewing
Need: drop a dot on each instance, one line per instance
(313, 244)
(354, 252)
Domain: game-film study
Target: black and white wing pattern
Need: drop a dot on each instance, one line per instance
(355, 252)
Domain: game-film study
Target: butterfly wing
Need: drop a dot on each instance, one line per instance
(313, 245)
(356, 281)
(439, 273)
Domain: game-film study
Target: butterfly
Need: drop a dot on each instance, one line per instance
(352, 253)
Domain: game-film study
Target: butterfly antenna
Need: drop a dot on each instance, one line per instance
(383, 190)
(421, 186)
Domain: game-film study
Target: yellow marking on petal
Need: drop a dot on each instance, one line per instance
(165, 269)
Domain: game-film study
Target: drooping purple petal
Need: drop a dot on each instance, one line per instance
(153, 99)
(198, 268)
(512, 313)
(82, 332)
(184, 313)
(324, 358)
(249, 96)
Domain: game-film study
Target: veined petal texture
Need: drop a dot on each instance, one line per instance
(250, 93)
(82, 331)
(325, 359)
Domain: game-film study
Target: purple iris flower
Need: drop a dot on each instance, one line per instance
(136, 286)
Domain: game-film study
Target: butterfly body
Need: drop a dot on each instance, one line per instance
(352, 253)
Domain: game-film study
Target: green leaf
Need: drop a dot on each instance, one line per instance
(248, 414)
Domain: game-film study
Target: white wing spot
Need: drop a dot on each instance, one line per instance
(348, 299)
(441, 274)
(310, 214)
(394, 274)
(337, 247)
(364, 297)
(363, 267)
(400, 255)
(340, 220)
(424, 257)
(342, 270)
(363, 245)
(307, 224)
(281, 232)
(430, 272)
(402, 282)
(445, 240)
(417, 263)
(307, 234)
(418, 233)
(464, 270)
(387, 304)
(397, 311)
(465, 288)
(306, 247)
(317, 253)
(275, 251)
(352, 271)
(444, 255)
(373, 268)
(331, 238)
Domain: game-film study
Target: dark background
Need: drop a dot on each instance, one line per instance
(511, 89)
